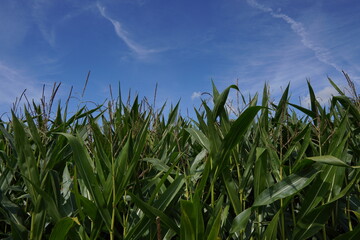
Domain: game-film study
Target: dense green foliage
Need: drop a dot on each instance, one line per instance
(129, 172)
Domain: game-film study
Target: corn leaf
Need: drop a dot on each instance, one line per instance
(287, 187)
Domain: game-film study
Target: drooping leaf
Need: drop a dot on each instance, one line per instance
(220, 100)
(239, 127)
(240, 221)
(330, 160)
(287, 187)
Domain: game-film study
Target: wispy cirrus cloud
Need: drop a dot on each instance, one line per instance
(19, 88)
(321, 53)
(13, 83)
(40, 15)
(138, 49)
(47, 17)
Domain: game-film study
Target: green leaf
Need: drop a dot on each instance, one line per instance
(239, 128)
(186, 231)
(313, 100)
(18, 231)
(330, 160)
(45, 199)
(219, 101)
(172, 190)
(170, 193)
(161, 204)
(199, 137)
(352, 235)
(26, 158)
(240, 221)
(287, 187)
(336, 87)
(347, 104)
(82, 161)
(194, 169)
(62, 228)
(318, 190)
(260, 171)
(215, 228)
(304, 110)
(8, 136)
(88, 207)
(192, 223)
(271, 230)
(122, 171)
(153, 212)
(311, 223)
(232, 191)
(37, 224)
(280, 109)
(157, 163)
(35, 134)
(173, 114)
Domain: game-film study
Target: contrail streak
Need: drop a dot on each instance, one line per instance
(123, 35)
(322, 54)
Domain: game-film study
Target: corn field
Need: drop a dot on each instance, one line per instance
(129, 171)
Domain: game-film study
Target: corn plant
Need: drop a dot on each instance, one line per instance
(130, 171)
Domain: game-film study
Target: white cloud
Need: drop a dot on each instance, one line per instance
(195, 95)
(322, 54)
(124, 36)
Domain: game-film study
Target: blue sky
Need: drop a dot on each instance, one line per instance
(181, 45)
